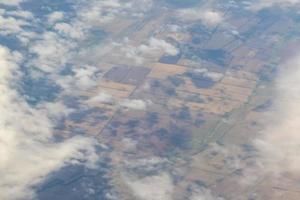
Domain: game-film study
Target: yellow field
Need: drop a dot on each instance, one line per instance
(163, 71)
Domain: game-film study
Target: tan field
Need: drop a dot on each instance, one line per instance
(163, 71)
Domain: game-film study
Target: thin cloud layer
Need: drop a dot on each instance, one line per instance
(11, 2)
(269, 3)
(200, 193)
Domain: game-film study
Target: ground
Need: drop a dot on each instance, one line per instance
(176, 105)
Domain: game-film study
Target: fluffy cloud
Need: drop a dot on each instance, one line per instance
(157, 187)
(153, 48)
(135, 104)
(95, 12)
(280, 141)
(10, 25)
(68, 30)
(215, 76)
(55, 17)
(158, 45)
(102, 97)
(207, 17)
(17, 22)
(52, 58)
(28, 152)
(85, 77)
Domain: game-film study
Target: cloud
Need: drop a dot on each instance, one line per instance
(215, 76)
(135, 104)
(158, 45)
(70, 31)
(98, 12)
(279, 144)
(18, 23)
(52, 58)
(10, 25)
(54, 110)
(28, 152)
(11, 2)
(102, 97)
(144, 176)
(269, 3)
(157, 187)
(55, 17)
(208, 17)
(21, 14)
(85, 77)
(201, 193)
(95, 13)
(80, 79)
(153, 48)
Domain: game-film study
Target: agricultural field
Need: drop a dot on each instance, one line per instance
(151, 100)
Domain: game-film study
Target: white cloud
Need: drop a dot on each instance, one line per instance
(95, 13)
(102, 97)
(279, 144)
(158, 45)
(100, 11)
(157, 187)
(207, 17)
(11, 2)
(55, 17)
(21, 13)
(269, 3)
(85, 77)
(54, 110)
(135, 104)
(13, 22)
(215, 76)
(10, 25)
(68, 30)
(56, 55)
(27, 151)
(82, 78)
(153, 48)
